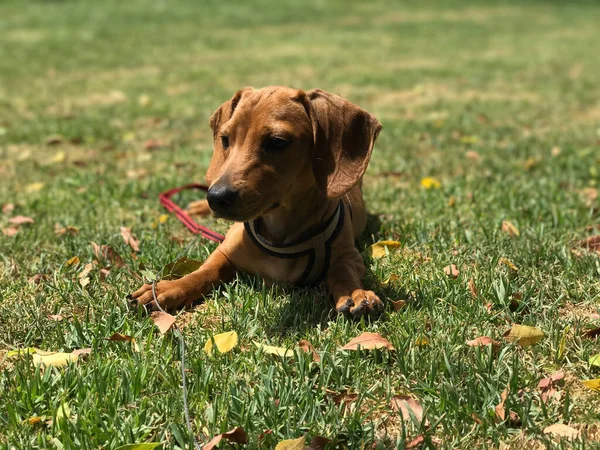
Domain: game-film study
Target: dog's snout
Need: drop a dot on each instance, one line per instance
(221, 197)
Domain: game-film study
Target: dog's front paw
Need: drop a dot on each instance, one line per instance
(169, 294)
(360, 303)
(198, 208)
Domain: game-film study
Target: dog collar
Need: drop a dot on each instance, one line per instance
(316, 244)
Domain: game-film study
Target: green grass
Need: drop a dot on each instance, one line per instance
(508, 81)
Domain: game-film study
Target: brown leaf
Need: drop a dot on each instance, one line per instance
(20, 220)
(510, 229)
(473, 288)
(130, 239)
(104, 253)
(562, 430)
(237, 435)
(406, 404)
(500, 409)
(10, 231)
(82, 353)
(154, 144)
(483, 341)
(54, 140)
(591, 243)
(473, 155)
(415, 443)
(118, 337)
(524, 335)
(60, 230)
(545, 383)
(55, 317)
(368, 341)
(548, 394)
(398, 304)
(86, 270)
(308, 348)
(594, 332)
(164, 321)
(344, 397)
(8, 208)
(451, 270)
(318, 443)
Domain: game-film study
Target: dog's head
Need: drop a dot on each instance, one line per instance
(271, 142)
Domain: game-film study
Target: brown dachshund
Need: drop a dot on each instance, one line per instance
(287, 168)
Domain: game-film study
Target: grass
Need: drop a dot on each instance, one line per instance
(499, 102)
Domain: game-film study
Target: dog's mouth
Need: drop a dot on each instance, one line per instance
(244, 216)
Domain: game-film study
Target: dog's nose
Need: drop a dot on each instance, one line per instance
(220, 197)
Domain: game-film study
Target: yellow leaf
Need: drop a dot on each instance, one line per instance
(524, 335)
(430, 183)
(509, 228)
(560, 429)
(272, 350)
(33, 420)
(595, 360)
(74, 260)
(34, 187)
(507, 262)
(291, 444)
(55, 359)
(57, 158)
(594, 385)
(63, 412)
(378, 250)
(225, 342)
(421, 341)
(469, 139)
(163, 218)
(393, 277)
(22, 351)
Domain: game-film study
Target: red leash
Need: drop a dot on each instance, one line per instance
(165, 200)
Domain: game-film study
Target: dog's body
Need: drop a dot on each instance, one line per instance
(283, 161)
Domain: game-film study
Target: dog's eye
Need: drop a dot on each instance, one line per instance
(225, 142)
(275, 144)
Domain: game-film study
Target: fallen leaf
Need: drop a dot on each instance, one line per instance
(145, 446)
(180, 268)
(154, 144)
(381, 248)
(499, 409)
(164, 321)
(406, 405)
(8, 208)
(507, 262)
(118, 337)
(483, 341)
(82, 352)
(430, 183)
(55, 139)
(509, 228)
(368, 341)
(415, 443)
(562, 430)
(63, 412)
(10, 231)
(318, 443)
(594, 332)
(237, 435)
(33, 420)
(594, 385)
(555, 151)
(547, 394)
(104, 273)
(130, 239)
(590, 194)
(272, 350)
(291, 444)
(392, 278)
(34, 187)
(60, 230)
(452, 271)
(225, 342)
(545, 383)
(57, 158)
(421, 341)
(398, 304)
(308, 348)
(104, 253)
(163, 218)
(22, 351)
(58, 359)
(73, 261)
(473, 155)
(524, 335)
(55, 317)
(591, 243)
(20, 220)
(469, 139)
(473, 288)
(594, 360)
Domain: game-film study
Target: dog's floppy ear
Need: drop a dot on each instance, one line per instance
(225, 111)
(344, 135)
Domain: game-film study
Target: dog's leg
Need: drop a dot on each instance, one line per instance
(198, 208)
(183, 292)
(345, 284)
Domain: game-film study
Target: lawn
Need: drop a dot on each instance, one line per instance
(489, 160)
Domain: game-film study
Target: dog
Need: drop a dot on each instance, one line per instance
(287, 168)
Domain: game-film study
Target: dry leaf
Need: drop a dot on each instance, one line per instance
(118, 337)
(154, 144)
(392, 278)
(507, 262)
(57, 359)
(60, 230)
(547, 382)
(318, 443)
(308, 348)
(594, 385)
(55, 317)
(104, 253)
(473, 155)
(55, 139)
(20, 220)
(225, 342)
(8, 208)
(415, 443)
(10, 231)
(164, 321)
(510, 229)
(130, 239)
(594, 360)
(82, 353)
(483, 341)
(398, 304)
(291, 444)
(591, 243)
(368, 341)
(180, 268)
(380, 249)
(594, 332)
(405, 404)
(143, 446)
(524, 335)
(272, 350)
(562, 430)
(421, 341)
(34, 187)
(452, 271)
(473, 288)
(163, 218)
(430, 183)
(73, 261)
(237, 435)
